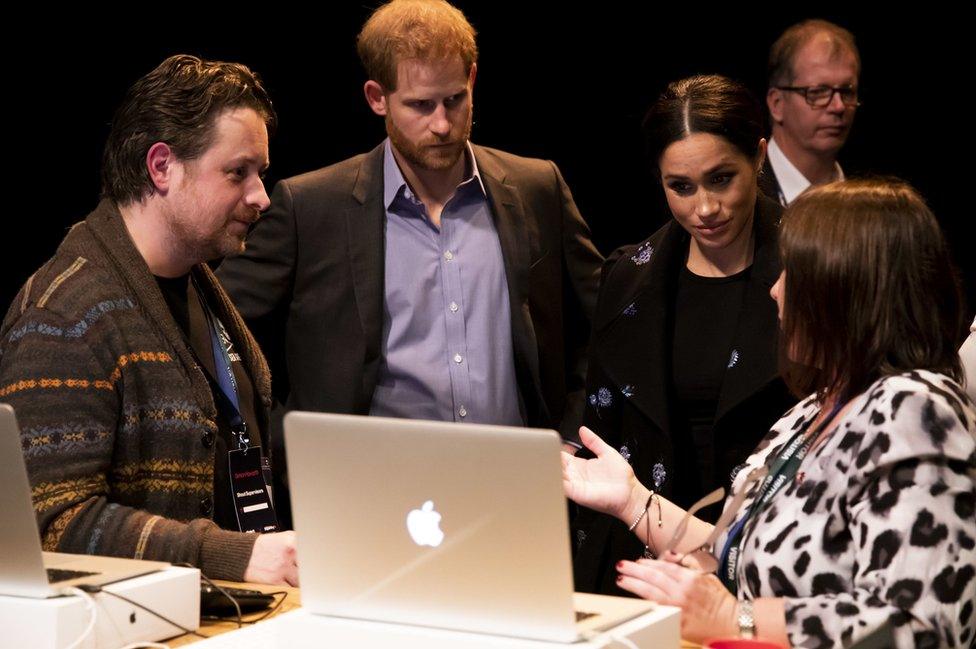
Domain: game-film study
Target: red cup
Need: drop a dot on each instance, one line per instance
(739, 643)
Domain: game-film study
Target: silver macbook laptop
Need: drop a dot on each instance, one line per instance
(447, 525)
(24, 569)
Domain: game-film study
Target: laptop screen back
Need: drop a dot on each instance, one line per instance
(449, 525)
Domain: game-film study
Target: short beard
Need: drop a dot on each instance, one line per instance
(419, 155)
(189, 244)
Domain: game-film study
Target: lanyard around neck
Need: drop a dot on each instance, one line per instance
(227, 395)
(782, 470)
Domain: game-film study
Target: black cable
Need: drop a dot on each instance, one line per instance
(220, 590)
(88, 588)
(268, 613)
(233, 600)
(240, 621)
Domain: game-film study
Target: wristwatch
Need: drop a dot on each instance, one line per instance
(747, 624)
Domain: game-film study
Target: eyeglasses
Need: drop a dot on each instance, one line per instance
(821, 96)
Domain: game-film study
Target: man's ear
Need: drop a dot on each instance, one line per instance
(774, 101)
(161, 163)
(376, 97)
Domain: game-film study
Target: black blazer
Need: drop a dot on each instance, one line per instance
(629, 383)
(310, 285)
(769, 184)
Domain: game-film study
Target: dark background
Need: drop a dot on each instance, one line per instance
(561, 83)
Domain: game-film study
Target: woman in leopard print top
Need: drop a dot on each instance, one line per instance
(872, 523)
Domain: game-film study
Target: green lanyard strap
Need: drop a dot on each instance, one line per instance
(782, 470)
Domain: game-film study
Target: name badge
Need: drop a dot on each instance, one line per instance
(251, 495)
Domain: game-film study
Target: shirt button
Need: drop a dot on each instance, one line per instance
(454, 307)
(458, 358)
(462, 411)
(206, 506)
(207, 439)
(449, 255)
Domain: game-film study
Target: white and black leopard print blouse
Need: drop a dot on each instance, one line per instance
(879, 524)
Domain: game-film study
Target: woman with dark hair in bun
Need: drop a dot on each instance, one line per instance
(683, 376)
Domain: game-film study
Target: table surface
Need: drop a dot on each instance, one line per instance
(210, 628)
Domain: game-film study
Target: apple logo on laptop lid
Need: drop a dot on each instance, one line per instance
(424, 525)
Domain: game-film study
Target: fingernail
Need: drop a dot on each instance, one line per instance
(620, 578)
(620, 564)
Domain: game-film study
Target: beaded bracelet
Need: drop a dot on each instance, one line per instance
(648, 554)
(633, 526)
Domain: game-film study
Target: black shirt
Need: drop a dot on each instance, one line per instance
(706, 315)
(185, 304)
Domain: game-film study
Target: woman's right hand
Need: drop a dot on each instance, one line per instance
(605, 483)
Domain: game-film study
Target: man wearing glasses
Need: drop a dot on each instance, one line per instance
(812, 97)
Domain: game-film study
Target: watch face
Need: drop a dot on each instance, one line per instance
(747, 624)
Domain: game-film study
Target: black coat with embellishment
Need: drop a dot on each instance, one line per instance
(629, 386)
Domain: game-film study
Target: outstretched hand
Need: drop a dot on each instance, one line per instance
(605, 483)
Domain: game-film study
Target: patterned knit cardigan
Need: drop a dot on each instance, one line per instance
(116, 416)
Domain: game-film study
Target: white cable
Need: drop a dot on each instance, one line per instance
(92, 609)
(622, 639)
(604, 638)
(146, 644)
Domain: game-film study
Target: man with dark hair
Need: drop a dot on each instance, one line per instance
(812, 97)
(429, 278)
(142, 398)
